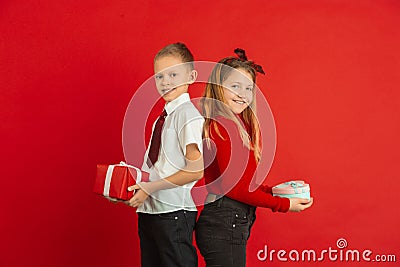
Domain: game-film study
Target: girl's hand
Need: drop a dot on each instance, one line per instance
(140, 195)
(300, 204)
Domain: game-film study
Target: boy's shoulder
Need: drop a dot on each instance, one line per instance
(187, 115)
(187, 111)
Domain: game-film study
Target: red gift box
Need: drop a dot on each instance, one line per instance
(113, 180)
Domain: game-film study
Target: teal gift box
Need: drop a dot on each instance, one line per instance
(292, 189)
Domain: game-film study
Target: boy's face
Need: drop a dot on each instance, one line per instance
(172, 77)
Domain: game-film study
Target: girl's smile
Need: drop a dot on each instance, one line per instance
(238, 90)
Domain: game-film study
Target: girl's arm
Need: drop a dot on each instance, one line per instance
(238, 170)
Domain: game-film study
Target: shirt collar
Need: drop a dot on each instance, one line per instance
(171, 106)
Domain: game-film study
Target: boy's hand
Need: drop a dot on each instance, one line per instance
(139, 197)
(300, 204)
(112, 200)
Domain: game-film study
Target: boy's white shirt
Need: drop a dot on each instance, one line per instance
(183, 126)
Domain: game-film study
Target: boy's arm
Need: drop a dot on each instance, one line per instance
(192, 171)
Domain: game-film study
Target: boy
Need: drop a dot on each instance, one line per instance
(166, 211)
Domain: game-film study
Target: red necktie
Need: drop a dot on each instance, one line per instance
(156, 140)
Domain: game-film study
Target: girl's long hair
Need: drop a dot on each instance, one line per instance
(213, 104)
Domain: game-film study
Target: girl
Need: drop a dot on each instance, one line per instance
(233, 136)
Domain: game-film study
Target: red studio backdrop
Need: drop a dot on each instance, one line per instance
(68, 70)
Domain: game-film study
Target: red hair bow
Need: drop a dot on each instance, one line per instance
(242, 57)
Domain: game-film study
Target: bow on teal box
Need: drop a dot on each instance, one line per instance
(292, 189)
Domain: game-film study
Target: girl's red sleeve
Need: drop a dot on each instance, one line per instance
(238, 170)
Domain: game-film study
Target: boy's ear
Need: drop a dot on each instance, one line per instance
(192, 76)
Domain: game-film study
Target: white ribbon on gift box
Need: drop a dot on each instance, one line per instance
(110, 169)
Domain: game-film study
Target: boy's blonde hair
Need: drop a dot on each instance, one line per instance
(212, 109)
(178, 50)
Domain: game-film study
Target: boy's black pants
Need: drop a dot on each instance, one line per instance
(166, 240)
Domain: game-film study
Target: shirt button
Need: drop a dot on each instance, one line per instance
(234, 226)
(237, 215)
(176, 218)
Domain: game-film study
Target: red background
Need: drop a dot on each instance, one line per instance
(69, 68)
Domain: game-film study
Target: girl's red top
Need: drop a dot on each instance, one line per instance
(230, 167)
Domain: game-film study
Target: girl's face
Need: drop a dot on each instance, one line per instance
(238, 90)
